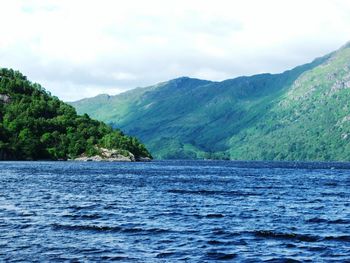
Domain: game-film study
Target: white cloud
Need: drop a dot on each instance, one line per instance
(82, 48)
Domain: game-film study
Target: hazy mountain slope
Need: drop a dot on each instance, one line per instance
(191, 118)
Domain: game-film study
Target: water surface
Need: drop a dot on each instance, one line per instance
(194, 211)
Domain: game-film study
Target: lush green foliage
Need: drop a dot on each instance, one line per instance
(36, 125)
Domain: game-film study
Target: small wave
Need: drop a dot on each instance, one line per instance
(322, 220)
(316, 201)
(25, 226)
(85, 228)
(290, 245)
(278, 235)
(145, 231)
(82, 207)
(316, 220)
(220, 256)
(210, 192)
(229, 242)
(331, 184)
(339, 221)
(214, 215)
(115, 258)
(224, 234)
(282, 260)
(338, 238)
(83, 217)
(299, 237)
(216, 242)
(108, 229)
(200, 216)
(320, 248)
(169, 214)
(336, 194)
(165, 254)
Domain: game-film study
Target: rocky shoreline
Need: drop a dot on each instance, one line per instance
(105, 155)
(112, 155)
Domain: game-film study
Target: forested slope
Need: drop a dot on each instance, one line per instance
(35, 125)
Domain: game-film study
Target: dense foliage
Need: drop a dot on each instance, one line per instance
(35, 125)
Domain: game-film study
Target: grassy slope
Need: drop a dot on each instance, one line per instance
(309, 122)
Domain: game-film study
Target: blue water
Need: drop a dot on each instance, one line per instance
(191, 211)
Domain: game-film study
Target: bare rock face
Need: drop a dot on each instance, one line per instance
(107, 155)
(116, 154)
(5, 98)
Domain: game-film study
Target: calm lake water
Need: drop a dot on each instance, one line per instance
(191, 211)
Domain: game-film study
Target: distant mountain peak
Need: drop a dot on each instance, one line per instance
(186, 82)
(186, 78)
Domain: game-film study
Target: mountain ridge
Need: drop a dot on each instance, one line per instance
(204, 119)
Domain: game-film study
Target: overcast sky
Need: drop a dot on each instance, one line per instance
(78, 49)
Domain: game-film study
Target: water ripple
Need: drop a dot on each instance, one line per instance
(192, 211)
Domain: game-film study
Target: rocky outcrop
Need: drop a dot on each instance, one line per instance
(98, 158)
(4, 98)
(107, 155)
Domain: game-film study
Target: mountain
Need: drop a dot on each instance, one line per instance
(300, 114)
(35, 125)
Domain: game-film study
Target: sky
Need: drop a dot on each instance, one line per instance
(77, 49)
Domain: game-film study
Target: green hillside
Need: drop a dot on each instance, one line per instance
(35, 125)
(310, 121)
(301, 114)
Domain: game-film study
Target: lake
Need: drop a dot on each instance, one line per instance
(169, 211)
